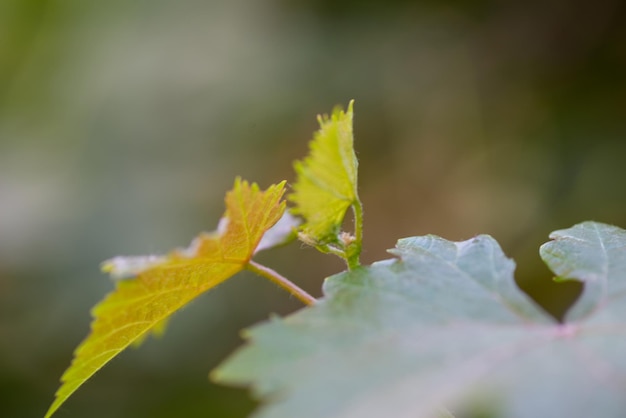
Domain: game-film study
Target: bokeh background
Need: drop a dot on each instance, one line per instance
(122, 124)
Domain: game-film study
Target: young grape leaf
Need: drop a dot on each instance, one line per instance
(326, 184)
(444, 325)
(162, 285)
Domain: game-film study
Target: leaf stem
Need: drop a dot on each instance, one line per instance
(353, 255)
(357, 207)
(329, 249)
(281, 281)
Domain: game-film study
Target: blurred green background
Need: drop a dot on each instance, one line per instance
(122, 124)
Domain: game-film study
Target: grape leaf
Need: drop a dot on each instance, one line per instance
(595, 254)
(162, 285)
(444, 325)
(326, 184)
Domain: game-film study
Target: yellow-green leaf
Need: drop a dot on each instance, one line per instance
(162, 285)
(326, 184)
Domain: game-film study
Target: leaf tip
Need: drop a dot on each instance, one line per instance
(281, 233)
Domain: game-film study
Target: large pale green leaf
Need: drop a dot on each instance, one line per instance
(444, 325)
(595, 254)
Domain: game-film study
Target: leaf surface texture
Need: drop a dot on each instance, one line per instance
(326, 184)
(162, 285)
(445, 326)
